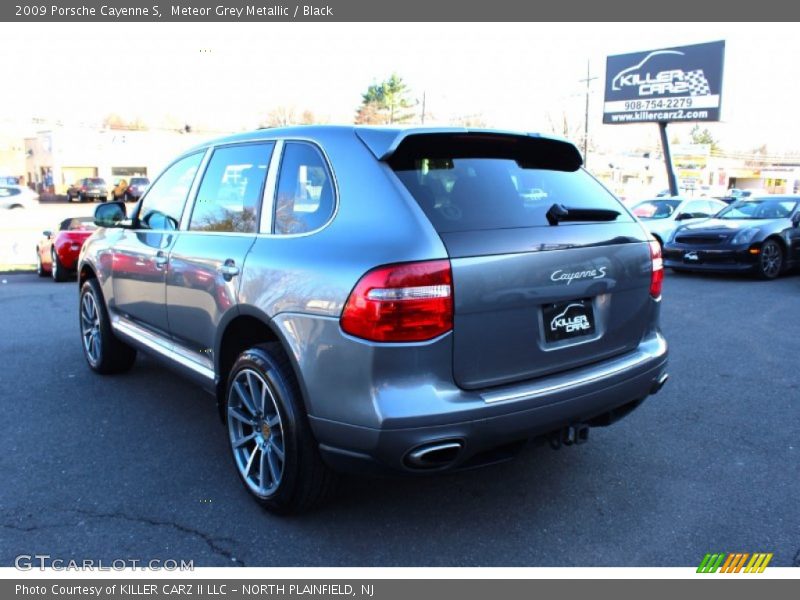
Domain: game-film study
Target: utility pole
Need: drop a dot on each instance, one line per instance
(588, 80)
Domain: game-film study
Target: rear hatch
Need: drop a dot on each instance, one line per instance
(550, 272)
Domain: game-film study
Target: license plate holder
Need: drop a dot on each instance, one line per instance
(568, 320)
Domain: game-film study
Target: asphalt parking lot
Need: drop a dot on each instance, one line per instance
(137, 467)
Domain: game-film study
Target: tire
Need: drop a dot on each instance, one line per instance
(126, 197)
(681, 271)
(81, 198)
(770, 260)
(57, 269)
(39, 267)
(272, 446)
(105, 353)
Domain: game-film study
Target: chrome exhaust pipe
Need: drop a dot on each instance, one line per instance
(659, 383)
(434, 455)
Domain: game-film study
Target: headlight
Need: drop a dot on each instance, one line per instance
(744, 237)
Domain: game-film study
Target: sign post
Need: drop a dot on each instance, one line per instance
(681, 84)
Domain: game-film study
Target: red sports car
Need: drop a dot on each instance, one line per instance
(57, 251)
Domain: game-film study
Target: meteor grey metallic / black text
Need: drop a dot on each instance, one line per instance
(377, 300)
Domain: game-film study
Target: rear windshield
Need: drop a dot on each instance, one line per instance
(139, 181)
(97, 181)
(468, 194)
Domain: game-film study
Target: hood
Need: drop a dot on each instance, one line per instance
(725, 225)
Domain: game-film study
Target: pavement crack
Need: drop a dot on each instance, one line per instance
(213, 542)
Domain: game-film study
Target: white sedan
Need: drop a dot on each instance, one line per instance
(662, 216)
(17, 196)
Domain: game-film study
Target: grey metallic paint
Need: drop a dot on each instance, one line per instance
(370, 403)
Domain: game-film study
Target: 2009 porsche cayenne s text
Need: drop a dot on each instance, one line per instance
(380, 300)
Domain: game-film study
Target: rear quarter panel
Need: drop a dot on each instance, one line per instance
(375, 223)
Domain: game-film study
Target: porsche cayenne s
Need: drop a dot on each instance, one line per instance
(759, 236)
(380, 300)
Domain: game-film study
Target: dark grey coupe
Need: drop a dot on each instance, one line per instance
(379, 300)
(758, 235)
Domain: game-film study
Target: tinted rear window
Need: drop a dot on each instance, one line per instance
(97, 181)
(139, 181)
(474, 193)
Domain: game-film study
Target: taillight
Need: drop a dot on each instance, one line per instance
(657, 274)
(83, 188)
(408, 302)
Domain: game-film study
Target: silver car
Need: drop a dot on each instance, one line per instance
(663, 216)
(380, 300)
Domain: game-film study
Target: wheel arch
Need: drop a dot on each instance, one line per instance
(781, 242)
(85, 272)
(243, 329)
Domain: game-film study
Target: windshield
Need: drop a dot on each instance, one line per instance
(761, 208)
(139, 181)
(97, 181)
(656, 209)
(77, 224)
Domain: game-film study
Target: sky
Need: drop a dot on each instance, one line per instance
(228, 76)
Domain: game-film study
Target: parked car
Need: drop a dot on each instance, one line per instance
(17, 196)
(89, 188)
(759, 235)
(57, 251)
(662, 216)
(735, 194)
(351, 297)
(129, 189)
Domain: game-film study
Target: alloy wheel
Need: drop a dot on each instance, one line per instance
(90, 328)
(771, 260)
(255, 431)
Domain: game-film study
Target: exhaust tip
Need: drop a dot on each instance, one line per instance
(659, 383)
(434, 455)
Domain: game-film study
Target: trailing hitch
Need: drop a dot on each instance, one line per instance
(572, 434)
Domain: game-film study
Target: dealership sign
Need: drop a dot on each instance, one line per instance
(672, 84)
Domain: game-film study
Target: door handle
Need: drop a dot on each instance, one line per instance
(228, 269)
(161, 259)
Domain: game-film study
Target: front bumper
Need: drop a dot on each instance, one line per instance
(369, 411)
(704, 258)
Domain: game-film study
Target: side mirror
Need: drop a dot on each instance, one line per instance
(110, 214)
(47, 233)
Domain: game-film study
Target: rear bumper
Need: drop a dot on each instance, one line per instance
(482, 421)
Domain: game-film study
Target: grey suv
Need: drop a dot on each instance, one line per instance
(379, 300)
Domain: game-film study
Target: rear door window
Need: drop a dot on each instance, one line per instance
(233, 185)
(468, 193)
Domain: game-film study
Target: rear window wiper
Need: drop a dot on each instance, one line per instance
(558, 213)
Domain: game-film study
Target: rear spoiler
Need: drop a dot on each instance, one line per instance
(400, 147)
